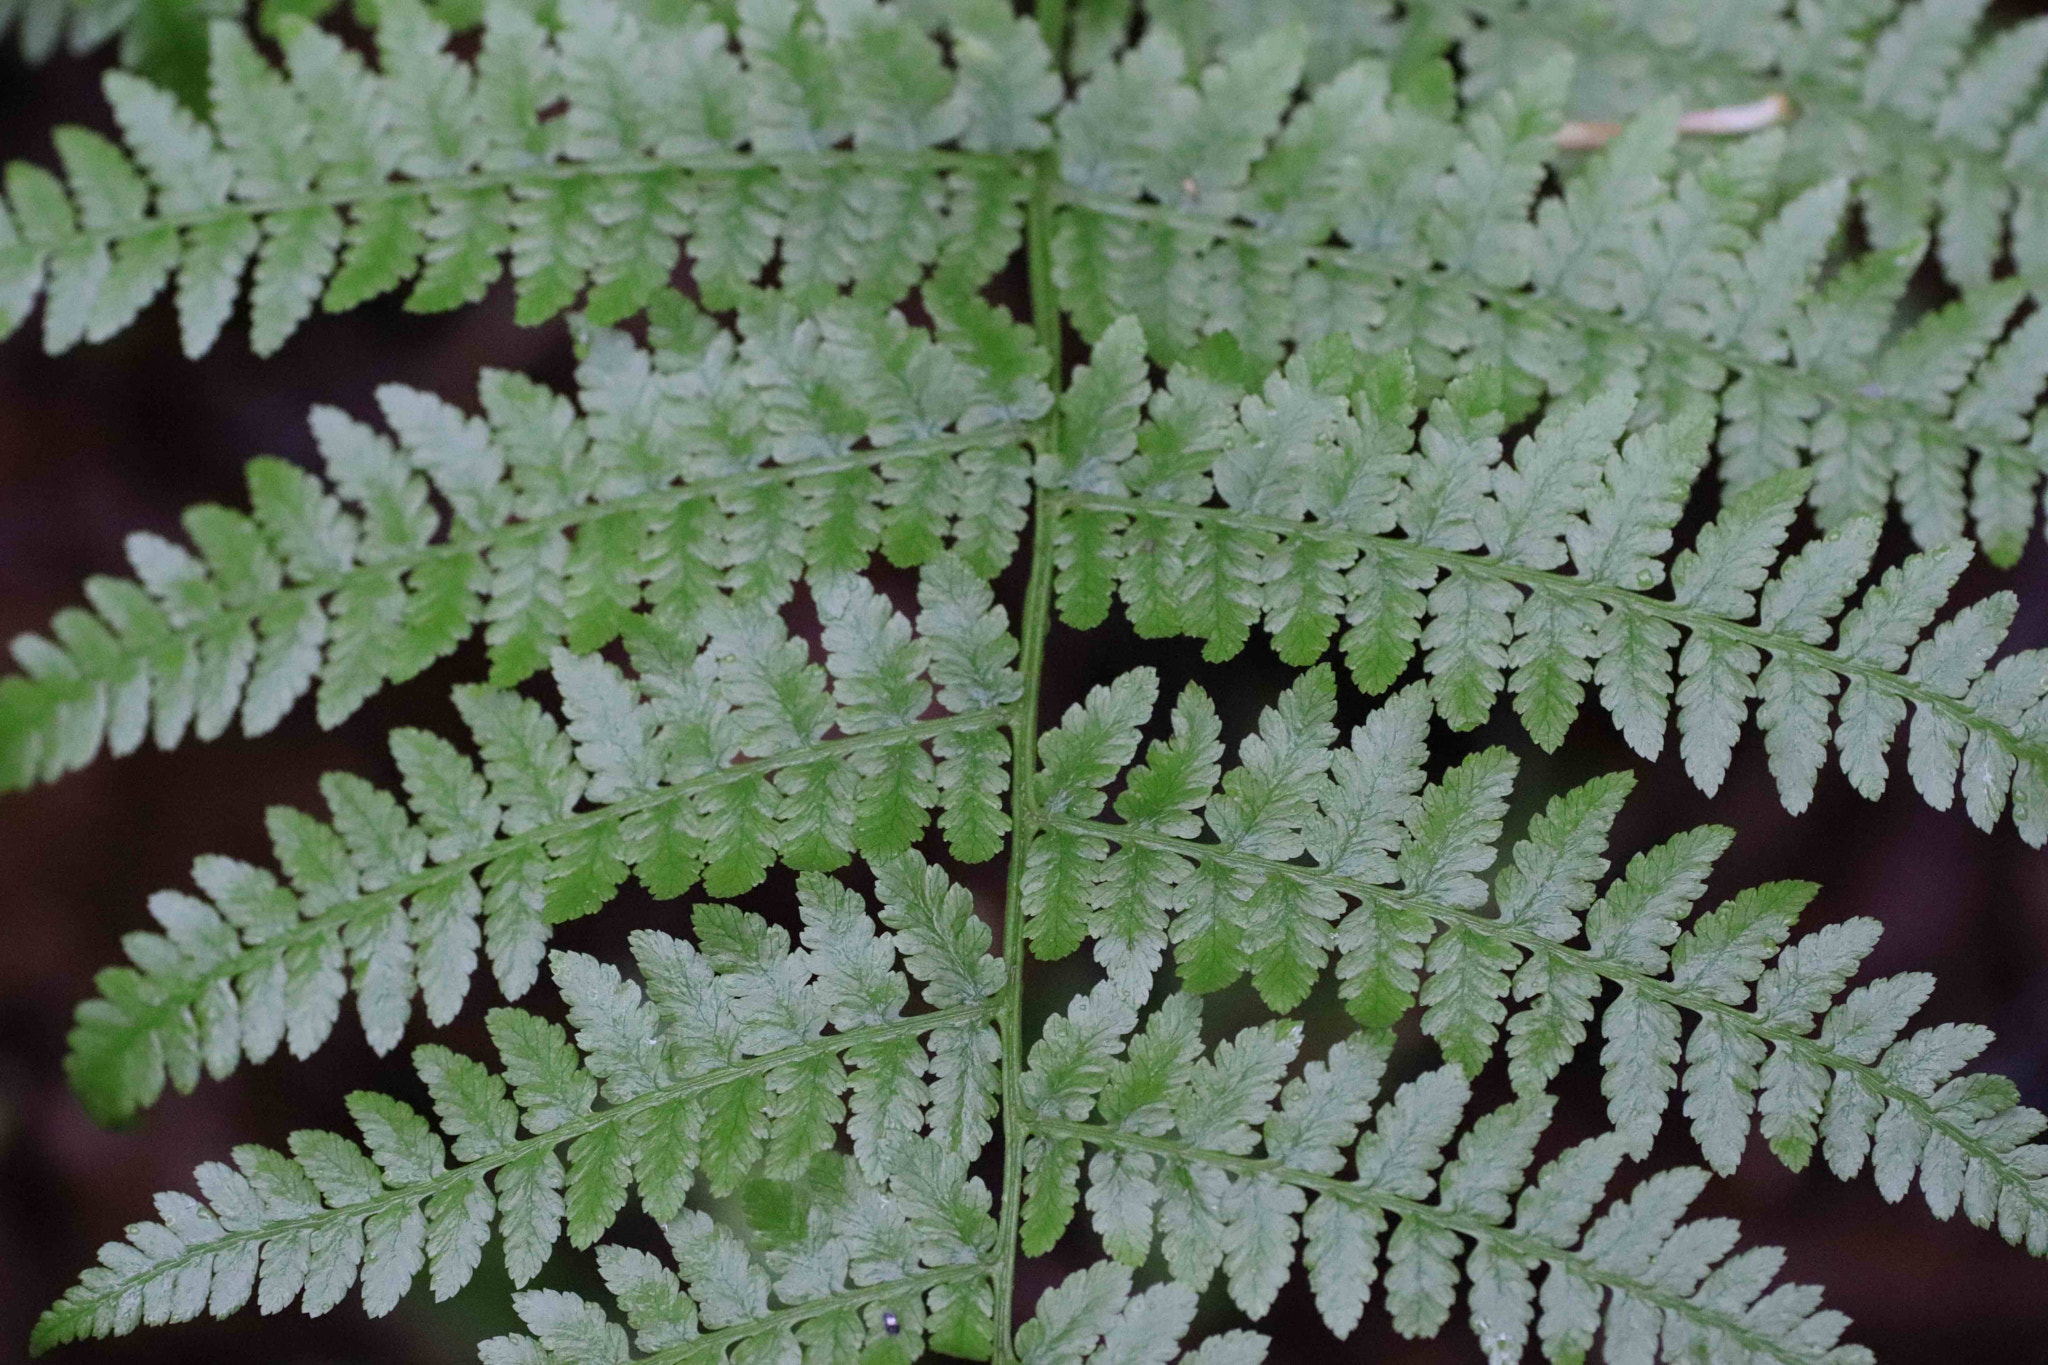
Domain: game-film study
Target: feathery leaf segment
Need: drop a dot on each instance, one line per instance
(1354, 287)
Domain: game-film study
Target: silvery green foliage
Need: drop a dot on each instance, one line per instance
(1373, 372)
(806, 445)
(1338, 31)
(705, 768)
(342, 183)
(1313, 855)
(1543, 571)
(718, 1066)
(1934, 107)
(1376, 201)
(1236, 170)
(147, 29)
(1174, 1142)
(43, 28)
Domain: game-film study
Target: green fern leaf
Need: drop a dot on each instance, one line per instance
(713, 1036)
(657, 774)
(434, 171)
(1500, 615)
(1706, 290)
(1185, 1166)
(560, 528)
(1391, 888)
(1931, 108)
(1376, 360)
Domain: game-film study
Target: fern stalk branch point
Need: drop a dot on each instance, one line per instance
(1035, 625)
(1374, 368)
(1024, 765)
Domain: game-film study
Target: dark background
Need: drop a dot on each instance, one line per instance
(120, 437)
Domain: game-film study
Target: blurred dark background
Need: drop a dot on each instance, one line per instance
(120, 437)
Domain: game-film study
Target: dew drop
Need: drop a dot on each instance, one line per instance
(1645, 579)
(1500, 1345)
(890, 1324)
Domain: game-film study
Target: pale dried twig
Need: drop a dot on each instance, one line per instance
(1582, 135)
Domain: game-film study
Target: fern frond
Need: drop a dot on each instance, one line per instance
(723, 1069)
(1092, 1314)
(1370, 209)
(1933, 109)
(709, 767)
(1334, 510)
(152, 33)
(685, 549)
(42, 27)
(1174, 1135)
(1209, 863)
(843, 1257)
(342, 183)
(1338, 31)
(684, 482)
